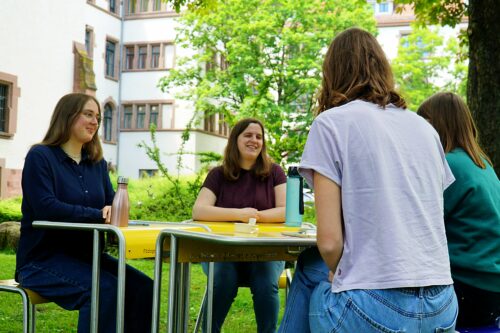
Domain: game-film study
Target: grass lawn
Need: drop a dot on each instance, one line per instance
(51, 318)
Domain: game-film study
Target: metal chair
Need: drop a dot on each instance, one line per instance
(284, 282)
(30, 299)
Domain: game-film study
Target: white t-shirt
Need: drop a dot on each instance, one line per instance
(392, 171)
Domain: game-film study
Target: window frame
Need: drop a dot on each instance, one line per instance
(13, 92)
(148, 105)
(145, 61)
(116, 58)
(89, 47)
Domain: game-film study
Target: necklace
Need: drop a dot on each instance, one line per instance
(77, 158)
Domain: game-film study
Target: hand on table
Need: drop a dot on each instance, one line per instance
(247, 213)
(106, 214)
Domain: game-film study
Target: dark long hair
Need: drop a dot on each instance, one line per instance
(355, 67)
(63, 118)
(231, 162)
(451, 118)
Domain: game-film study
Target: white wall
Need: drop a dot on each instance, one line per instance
(37, 47)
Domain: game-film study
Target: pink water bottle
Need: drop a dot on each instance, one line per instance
(121, 206)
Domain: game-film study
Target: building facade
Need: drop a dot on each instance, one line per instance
(116, 51)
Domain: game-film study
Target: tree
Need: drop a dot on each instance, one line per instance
(483, 84)
(262, 58)
(425, 65)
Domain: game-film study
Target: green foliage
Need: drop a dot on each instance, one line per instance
(425, 65)
(199, 5)
(447, 12)
(176, 198)
(262, 58)
(10, 209)
(156, 199)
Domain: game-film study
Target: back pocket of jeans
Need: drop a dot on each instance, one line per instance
(448, 329)
(356, 320)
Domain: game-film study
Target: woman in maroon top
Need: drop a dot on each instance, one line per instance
(247, 185)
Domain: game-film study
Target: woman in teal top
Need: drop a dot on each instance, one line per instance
(471, 211)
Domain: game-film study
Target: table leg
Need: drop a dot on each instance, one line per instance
(172, 293)
(94, 303)
(210, 296)
(120, 298)
(157, 283)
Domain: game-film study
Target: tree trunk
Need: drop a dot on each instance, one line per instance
(483, 87)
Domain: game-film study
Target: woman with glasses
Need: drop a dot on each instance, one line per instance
(65, 178)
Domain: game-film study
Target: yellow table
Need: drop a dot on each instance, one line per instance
(221, 243)
(135, 241)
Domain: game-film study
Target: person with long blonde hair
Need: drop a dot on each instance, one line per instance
(378, 172)
(471, 210)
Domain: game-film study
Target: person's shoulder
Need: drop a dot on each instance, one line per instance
(458, 156)
(216, 174)
(461, 164)
(218, 170)
(40, 150)
(277, 169)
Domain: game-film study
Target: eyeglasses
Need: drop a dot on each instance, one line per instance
(90, 115)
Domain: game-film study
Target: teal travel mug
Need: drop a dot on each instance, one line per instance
(294, 198)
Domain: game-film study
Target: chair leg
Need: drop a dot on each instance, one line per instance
(201, 313)
(33, 318)
(26, 311)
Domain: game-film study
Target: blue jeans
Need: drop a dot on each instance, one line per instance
(263, 280)
(67, 281)
(419, 309)
(309, 272)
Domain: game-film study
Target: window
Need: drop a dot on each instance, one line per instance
(9, 95)
(129, 57)
(144, 5)
(89, 41)
(153, 115)
(169, 56)
(143, 54)
(383, 7)
(168, 116)
(141, 115)
(156, 5)
(127, 116)
(110, 58)
(155, 56)
(108, 122)
(145, 173)
(4, 91)
(149, 56)
(112, 6)
(131, 6)
(214, 123)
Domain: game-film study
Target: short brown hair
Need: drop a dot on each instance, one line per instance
(451, 118)
(231, 162)
(355, 67)
(64, 116)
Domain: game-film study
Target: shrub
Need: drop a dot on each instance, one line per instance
(10, 209)
(156, 199)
